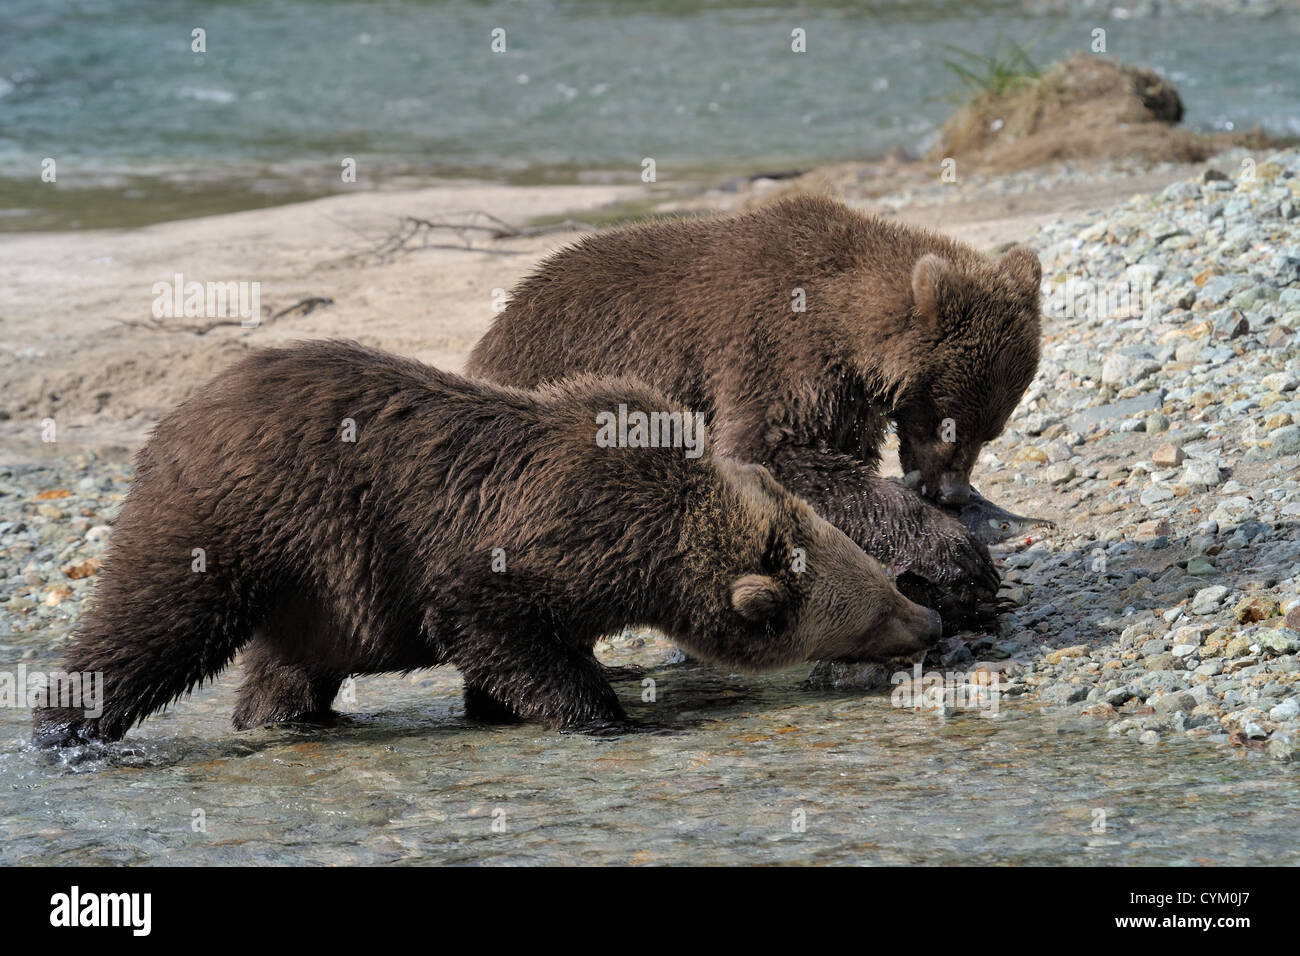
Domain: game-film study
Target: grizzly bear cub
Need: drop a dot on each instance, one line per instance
(801, 330)
(347, 511)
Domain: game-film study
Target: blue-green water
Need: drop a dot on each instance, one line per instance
(112, 90)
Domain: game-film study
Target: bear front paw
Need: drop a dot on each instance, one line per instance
(55, 727)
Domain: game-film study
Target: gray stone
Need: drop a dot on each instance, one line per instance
(1121, 409)
(98, 535)
(1154, 494)
(1284, 441)
(1152, 648)
(1287, 710)
(1200, 474)
(1060, 473)
(1119, 695)
(1168, 703)
(1156, 423)
(1280, 640)
(1207, 599)
(1063, 693)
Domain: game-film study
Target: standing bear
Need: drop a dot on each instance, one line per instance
(344, 511)
(801, 330)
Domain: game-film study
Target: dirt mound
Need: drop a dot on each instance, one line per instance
(1085, 107)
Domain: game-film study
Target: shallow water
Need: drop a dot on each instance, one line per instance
(405, 778)
(143, 128)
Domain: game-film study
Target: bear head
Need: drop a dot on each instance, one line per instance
(982, 327)
(792, 587)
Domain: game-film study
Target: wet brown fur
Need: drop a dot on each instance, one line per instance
(330, 558)
(900, 324)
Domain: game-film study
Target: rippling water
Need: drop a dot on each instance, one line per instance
(405, 779)
(144, 126)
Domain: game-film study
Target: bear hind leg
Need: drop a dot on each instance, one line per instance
(291, 669)
(156, 631)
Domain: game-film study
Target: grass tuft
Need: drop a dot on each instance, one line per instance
(992, 73)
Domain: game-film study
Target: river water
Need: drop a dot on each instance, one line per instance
(751, 770)
(144, 128)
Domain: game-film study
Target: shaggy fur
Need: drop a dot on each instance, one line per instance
(900, 324)
(334, 557)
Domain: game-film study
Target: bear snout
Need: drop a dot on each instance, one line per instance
(921, 627)
(909, 631)
(915, 629)
(953, 489)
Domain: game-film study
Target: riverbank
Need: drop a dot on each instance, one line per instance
(1162, 432)
(1163, 444)
(1147, 707)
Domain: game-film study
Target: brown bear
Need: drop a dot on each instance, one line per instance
(801, 330)
(348, 511)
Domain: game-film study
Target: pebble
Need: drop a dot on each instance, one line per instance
(1207, 599)
(98, 535)
(1168, 456)
(1281, 640)
(1155, 494)
(1201, 474)
(1287, 710)
(1060, 473)
(1169, 703)
(1063, 693)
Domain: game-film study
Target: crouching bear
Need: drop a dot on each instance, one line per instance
(802, 330)
(360, 513)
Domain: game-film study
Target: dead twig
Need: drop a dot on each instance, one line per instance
(502, 229)
(307, 305)
(414, 233)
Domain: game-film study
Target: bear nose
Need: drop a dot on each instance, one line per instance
(953, 490)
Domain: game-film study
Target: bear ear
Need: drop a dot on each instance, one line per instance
(927, 275)
(1021, 263)
(756, 597)
(765, 479)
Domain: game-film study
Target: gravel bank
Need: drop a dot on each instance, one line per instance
(54, 527)
(1162, 431)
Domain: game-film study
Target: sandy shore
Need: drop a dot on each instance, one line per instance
(66, 353)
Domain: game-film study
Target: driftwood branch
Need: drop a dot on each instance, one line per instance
(307, 306)
(414, 233)
(500, 229)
